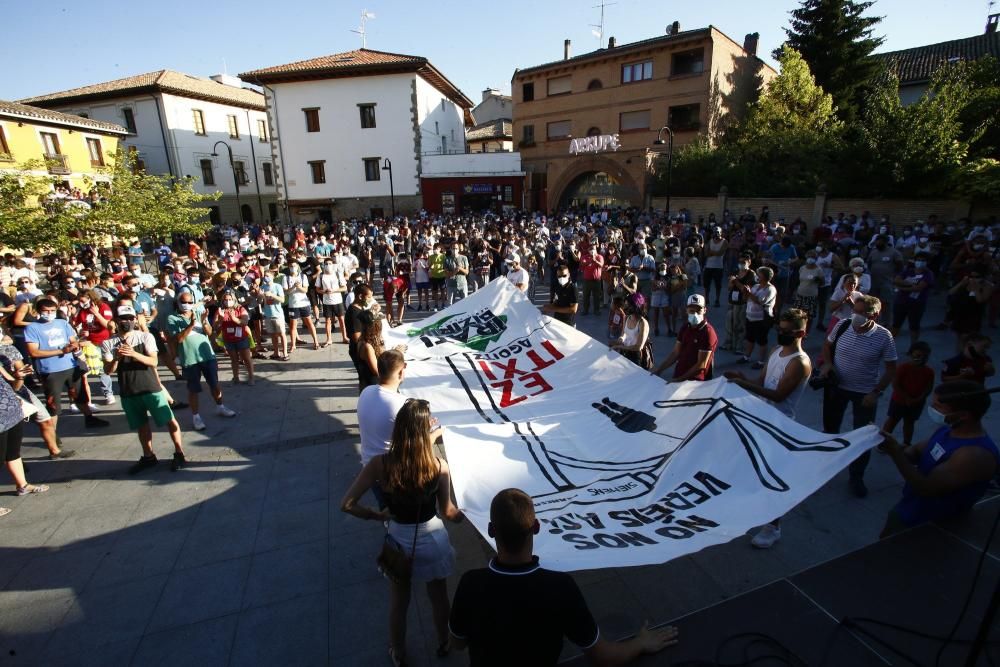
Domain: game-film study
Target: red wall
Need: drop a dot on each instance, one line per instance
(432, 189)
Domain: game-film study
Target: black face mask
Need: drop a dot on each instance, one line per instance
(785, 338)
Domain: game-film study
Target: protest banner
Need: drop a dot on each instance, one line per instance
(624, 468)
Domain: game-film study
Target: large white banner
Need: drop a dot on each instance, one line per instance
(624, 468)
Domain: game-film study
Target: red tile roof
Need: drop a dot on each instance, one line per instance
(25, 111)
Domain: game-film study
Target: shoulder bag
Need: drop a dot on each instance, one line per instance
(392, 561)
(817, 381)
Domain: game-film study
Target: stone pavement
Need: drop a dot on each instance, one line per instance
(245, 558)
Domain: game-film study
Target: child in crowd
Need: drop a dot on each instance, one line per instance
(974, 363)
(616, 318)
(910, 388)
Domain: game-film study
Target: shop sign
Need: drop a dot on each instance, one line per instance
(479, 189)
(597, 144)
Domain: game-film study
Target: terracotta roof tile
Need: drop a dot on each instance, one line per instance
(28, 111)
(163, 80)
(359, 58)
(919, 63)
(501, 128)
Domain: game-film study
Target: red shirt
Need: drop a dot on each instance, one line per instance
(694, 340)
(232, 330)
(913, 380)
(90, 329)
(591, 266)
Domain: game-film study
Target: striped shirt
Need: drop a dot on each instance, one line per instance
(859, 357)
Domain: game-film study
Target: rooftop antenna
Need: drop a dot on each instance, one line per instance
(365, 16)
(599, 33)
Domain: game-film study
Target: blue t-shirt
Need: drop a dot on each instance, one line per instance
(914, 509)
(273, 310)
(144, 303)
(783, 256)
(53, 335)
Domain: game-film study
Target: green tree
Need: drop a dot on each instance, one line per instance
(137, 204)
(29, 217)
(981, 115)
(835, 38)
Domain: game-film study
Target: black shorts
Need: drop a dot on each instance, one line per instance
(757, 331)
(909, 413)
(161, 345)
(54, 384)
(10, 442)
(333, 310)
(437, 283)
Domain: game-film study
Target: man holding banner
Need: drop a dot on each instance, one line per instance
(694, 351)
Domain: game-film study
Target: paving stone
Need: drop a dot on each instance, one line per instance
(288, 573)
(289, 633)
(200, 593)
(205, 643)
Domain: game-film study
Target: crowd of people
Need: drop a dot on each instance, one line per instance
(259, 293)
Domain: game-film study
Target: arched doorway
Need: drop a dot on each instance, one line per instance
(595, 188)
(246, 213)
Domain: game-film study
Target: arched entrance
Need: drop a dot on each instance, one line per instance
(596, 180)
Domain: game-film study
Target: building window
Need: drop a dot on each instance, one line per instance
(367, 115)
(4, 148)
(234, 129)
(262, 130)
(240, 171)
(508, 193)
(595, 84)
(528, 134)
(634, 72)
(634, 120)
(272, 211)
(318, 169)
(527, 92)
(444, 145)
(559, 86)
(96, 156)
(214, 215)
(129, 115)
(594, 132)
(207, 174)
(688, 62)
(265, 167)
(372, 171)
(199, 122)
(684, 117)
(312, 119)
(558, 130)
(246, 213)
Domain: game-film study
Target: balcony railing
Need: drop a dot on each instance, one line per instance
(58, 164)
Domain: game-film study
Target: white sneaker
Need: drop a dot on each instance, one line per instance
(109, 399)
(93, 408)
(766, 536)
(223, 411)
(197, 422)
(73, 409)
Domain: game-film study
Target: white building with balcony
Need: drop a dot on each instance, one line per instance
(342, 121)
(175, 122)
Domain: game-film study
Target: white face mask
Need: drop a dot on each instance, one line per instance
(859, 320)
(46, 317)
(186, 307)
(937, 416)
(85, 303)
(563, 280)
(858, 270)
(695, 318)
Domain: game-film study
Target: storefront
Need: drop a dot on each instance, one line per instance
(471, 194)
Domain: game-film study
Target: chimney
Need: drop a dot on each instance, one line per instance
(489, 92)
(674, 28)
(991, 23)
(750, 43)
(227, 80)
(611, 42)
(566, 44)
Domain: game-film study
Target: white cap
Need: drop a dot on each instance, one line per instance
(696, 300)
(126, 310)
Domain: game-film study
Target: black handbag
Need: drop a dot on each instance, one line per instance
(393, 562)
(831, 380)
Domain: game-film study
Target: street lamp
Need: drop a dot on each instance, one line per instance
(670, 157)
(392, 193)
(236, 178)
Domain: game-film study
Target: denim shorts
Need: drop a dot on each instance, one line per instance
(193, 374)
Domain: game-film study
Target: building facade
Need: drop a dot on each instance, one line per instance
(76, 152)
(352, 130)
(471, 183)
(174, 123)
(586, 125)
(494, 136)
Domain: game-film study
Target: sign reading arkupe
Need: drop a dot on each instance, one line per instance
(624, 469)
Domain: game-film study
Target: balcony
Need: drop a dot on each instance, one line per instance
(58, 164)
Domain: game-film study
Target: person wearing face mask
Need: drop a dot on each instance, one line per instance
(883, 262)
(272, 296)
(232, 319)
(296, 288)
(132, 355)
(967, 301)
(736, 314)
(331, 287)
(829, 262)
(191, 331)
(807, 293)
(781, 383)
(948, 473)
(92, 322)
(760, 299)
(456, 266)
(856, 267)
(563, 307)
(438, 274)
(644, 267)
(592, 269)
(633, 342)
(860, 355)
(693, 355)
(660, 302)
(913, 286)
(715, 253)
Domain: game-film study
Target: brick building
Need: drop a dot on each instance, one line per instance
(585, 125)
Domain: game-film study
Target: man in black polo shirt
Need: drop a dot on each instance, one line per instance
(516, 613)
(563, 306)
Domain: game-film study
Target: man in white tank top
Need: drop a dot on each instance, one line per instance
(781, 383)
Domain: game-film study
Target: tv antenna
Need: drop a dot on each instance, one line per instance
(365, 16)
(599, 33)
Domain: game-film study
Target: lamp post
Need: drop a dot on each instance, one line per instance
(392, 193)
(236, 178)
(670, 157)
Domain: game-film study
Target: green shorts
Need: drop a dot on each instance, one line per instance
(138, 409)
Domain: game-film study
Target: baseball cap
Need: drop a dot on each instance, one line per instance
(125, 311)
(696, 300)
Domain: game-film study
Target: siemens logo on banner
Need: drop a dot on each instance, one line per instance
(596, 144)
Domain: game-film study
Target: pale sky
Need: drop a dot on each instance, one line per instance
(62, 44)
